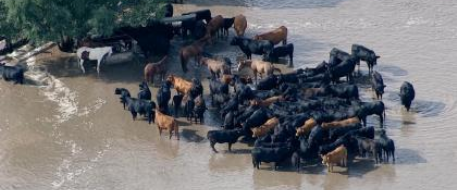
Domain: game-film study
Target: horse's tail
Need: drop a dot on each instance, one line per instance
(183, 62)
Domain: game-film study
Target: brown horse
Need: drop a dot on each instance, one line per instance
(275, 36)
(258, 67)
(215, 67)
(193, 50)
(240, 25)
(181, 85)
(214, 26)
(152, 69)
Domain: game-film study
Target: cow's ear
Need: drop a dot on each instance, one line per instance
(377, 57)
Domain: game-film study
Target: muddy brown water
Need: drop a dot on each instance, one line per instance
(65, 130)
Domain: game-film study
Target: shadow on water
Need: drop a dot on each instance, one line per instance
(191, 135)
(270, 4)
(408, 157)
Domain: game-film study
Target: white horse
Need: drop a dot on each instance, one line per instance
(99, 54)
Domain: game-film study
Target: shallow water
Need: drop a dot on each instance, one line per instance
(64, 130)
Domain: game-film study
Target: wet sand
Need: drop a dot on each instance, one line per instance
(66, 130)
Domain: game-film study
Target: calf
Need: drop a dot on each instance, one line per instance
(224, 136)
(388, 147)
(371, 147)
(364, 54)
(407, 94)
(167, 122)
(14, 73)
(265, 128)
(199, 109)
(339, 155)
(177, 100)
(282, 51)
(145, 93)
(124, 93)
(377, 84)
(142, 107)
(163, 96)
(249, 46)
(275, 36)
(228, 23)
(240, 25)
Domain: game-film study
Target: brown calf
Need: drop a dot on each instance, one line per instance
(193, 50)
(258, 67)
(341, 123)
(240, 25)
(337, 156)
(265, 128)
(275, 36)
(152, 69)
(166, 122)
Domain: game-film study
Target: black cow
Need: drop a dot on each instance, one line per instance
(189, 109)
(337, 56)
(228, 23)
(258, 117)
(365, 132)
(197, 88)
(14, 73)
(364, 54)
(282, 51)
(343, 69)
(334, 134)
(268, 83)
(163, 96)
(250, 46)
(199, 110)
(229, 120)
(142, 107)
(177, 100)
(320, 68)
(377, 84)
(324, 149)
(369, 108)
(349, 92)
(124, 93)
(231, 105)
(204, 14)
(407, 94)
(145, 93)
(275, 155)
(224, 136)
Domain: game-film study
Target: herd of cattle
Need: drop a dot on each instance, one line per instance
(304, 116)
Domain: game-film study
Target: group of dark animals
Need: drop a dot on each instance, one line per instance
(319, 117)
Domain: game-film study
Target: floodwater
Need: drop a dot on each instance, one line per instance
(65, 130)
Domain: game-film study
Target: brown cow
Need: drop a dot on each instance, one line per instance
(307, 127)
(267, 102)
(155, 68)
(214, 26)
(181, 85)
(265, 128)
(215, 67)
(166, 122)
(337, 156)
(341, 123)
(193, 50)
(258, 67)
(240, 25)
(275, 36)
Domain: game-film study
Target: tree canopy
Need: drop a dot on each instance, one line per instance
(51, 20)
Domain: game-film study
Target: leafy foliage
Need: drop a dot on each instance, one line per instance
(50, 20)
